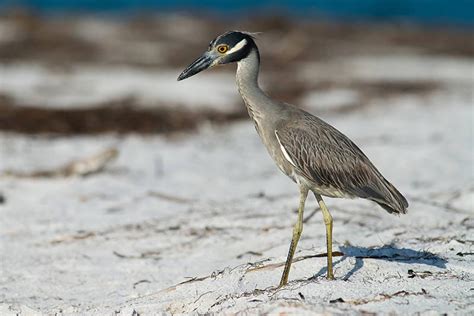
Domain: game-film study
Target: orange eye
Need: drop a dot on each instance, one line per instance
(222, 48)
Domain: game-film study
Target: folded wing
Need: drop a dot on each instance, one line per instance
(329, 159)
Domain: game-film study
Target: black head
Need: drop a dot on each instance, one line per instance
(226, 48)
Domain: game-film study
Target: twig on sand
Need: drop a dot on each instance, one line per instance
(253, 253)
(171, 198)
(79, 236)
(253, 267)
(144, 255)
(281, 264)
(81, 167)
(380, 297)
(140, 282)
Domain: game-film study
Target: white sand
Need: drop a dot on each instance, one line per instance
(176, 211)
(211, 207)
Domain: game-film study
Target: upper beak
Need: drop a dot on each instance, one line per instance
(202, 63)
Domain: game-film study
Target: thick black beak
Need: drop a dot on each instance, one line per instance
(200, 64)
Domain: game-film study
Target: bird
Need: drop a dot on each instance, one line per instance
(315, 155)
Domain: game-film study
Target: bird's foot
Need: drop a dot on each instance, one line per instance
(282, 284)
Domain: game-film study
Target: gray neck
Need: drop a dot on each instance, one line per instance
(258, 103)
(247, 72)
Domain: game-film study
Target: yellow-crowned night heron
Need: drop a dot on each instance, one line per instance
(311, 152)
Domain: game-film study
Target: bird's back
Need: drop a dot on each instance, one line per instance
(331, 163)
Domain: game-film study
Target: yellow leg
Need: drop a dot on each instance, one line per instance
(328, 222)
(297, 229)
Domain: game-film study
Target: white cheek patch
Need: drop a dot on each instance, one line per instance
(237, 47)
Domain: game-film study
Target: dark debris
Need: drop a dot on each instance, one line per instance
(121, 116)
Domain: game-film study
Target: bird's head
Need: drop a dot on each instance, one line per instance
(226, 48)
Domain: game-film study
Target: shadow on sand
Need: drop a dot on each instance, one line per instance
(388, 253)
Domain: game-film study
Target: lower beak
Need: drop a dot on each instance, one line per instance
(200, 64)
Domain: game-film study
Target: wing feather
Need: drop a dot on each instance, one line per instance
(329, 159)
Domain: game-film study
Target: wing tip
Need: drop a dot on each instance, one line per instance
(393, 201)
(392, 209)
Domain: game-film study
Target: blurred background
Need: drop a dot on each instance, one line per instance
(117, 181)
(87, 56)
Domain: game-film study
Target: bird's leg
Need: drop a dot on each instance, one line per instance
(297, 229)
(328, 222)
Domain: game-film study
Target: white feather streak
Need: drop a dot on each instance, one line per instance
(285, 154)
(237, 47)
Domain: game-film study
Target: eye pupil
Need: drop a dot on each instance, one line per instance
(222, 49)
